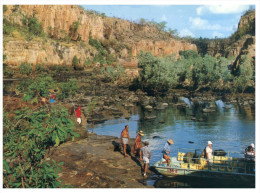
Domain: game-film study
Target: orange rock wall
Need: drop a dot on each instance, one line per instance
(58, 19)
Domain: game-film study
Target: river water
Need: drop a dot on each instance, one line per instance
(231, 129)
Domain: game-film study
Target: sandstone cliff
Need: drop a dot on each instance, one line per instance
(58, 21)
(241, 42)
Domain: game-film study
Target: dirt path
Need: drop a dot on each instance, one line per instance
(93, 163)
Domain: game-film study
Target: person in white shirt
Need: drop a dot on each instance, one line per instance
(209, 152)
(145, 155)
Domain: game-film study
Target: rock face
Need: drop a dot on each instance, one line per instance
(242, 46)
(58, 22)
(38, 52)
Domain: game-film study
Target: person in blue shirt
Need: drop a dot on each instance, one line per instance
(166, 152)
(52, 99)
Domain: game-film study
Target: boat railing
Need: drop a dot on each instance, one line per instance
(219, 163)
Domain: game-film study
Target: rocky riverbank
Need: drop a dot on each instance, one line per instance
(96, 162)
(93, 161)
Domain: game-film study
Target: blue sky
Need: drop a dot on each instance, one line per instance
(190, 20)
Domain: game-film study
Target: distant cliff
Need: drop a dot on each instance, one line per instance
(123, 39)
(239, 43)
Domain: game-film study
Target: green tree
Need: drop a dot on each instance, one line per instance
(75, 62)
(35, 27)
(157, 74)
(245, 76)
(173, 32)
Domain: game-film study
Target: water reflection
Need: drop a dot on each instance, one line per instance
(231, 128)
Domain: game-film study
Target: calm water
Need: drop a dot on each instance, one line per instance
(229, 129)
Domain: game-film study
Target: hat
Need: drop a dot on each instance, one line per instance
(252, 145)
(170, 141)
(146, 143)
(79, 107)
(140, 133)
(209, 143)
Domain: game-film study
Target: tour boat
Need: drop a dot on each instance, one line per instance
(223, 167)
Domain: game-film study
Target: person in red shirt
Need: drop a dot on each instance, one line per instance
(138, 143)
(78, 115)
(52, 98)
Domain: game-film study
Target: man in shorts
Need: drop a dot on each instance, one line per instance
(125, 138)
(166, 152)
(145, 155)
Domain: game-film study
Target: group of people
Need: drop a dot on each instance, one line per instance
(52, 100)
(144, 153)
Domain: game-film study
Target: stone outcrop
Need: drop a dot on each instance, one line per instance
(230, 48)
(58, 22)
(38, 52)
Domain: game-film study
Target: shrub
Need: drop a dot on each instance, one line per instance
(5, 8)
(246, 74)
(26, 140)
(67, 89)
(25, 69)
(74, 28)
(188, 54)
(7, 71)
(40, 68)
(35, 27)
(95, 43)
(33, 89)
(57, 68)
(113, 73)
(87, 62)
(111, 59)
(75, 62)
(8, 28)
(91, 106)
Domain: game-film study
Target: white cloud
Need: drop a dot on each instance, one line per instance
(202, 24)
(164, 18)
(221, 9)
(199, 10)
(186, 32)
(217, 34)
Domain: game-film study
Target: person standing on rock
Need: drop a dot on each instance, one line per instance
(125, 138)
(166, 152)
(138, 143)
(78, 115)
(145, 155)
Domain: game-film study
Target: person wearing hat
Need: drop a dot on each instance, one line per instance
(138, 144)
(145, 155)
(209, 152)
(78, 115)
(166, 152)
(250, 153)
